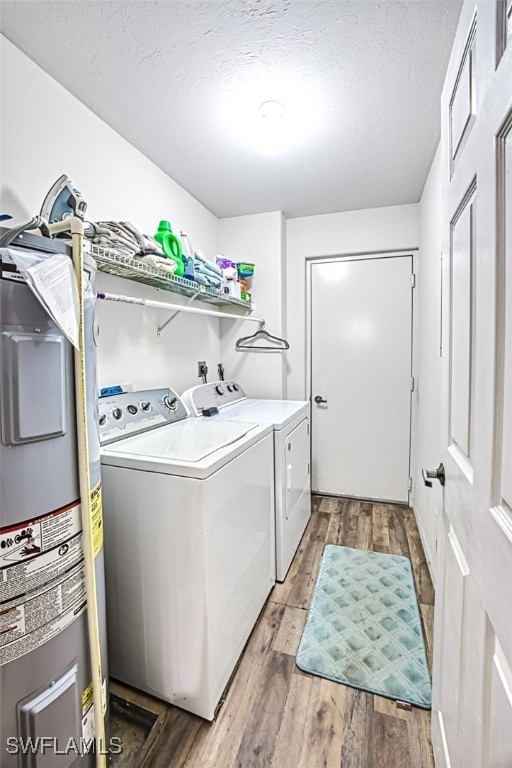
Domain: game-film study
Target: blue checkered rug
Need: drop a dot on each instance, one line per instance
(364, 626)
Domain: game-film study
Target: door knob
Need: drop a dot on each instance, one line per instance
(319, 399)
(434, 474)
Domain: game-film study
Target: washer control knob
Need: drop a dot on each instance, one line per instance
(132, 409)
(236, 387)
(117, 413)
(103, 419)
(145, 405)
(230, 388)
(219, 389)
(171, 402)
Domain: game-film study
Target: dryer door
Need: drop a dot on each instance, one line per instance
(297, 453)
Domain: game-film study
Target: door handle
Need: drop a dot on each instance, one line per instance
(434, 474)
(319, 399)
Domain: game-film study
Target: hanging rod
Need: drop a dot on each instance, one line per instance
(176, 307)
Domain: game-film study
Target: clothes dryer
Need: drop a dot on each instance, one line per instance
(290, 420)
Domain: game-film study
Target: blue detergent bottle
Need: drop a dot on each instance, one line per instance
(188, 256)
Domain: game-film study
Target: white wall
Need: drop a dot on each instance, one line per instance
(45, 132)
(260, 239)
(428, 449)
(368, 231)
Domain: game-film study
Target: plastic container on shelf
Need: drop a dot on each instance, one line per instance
(186, 245)
(229, 273)
(245, 269)
(224, 263)
(188, 256)
(228, 267)
(171, 245)
(231, 288)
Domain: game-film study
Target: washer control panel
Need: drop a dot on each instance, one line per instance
(216, 394)
(130, 413)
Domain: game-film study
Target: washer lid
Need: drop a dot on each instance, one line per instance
(279, 413)
(189, 448)
(189, 440)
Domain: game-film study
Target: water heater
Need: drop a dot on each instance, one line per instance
(45, 670)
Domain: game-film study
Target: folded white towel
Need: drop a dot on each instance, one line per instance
(168, 265)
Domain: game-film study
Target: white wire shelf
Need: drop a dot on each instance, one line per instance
(121, 265)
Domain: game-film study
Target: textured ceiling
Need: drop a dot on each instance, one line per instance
(182, 81)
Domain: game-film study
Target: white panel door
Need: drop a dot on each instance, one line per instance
(361, 335)
(472, 675)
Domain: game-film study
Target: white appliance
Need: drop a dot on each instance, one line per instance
(189, 543)
(290, 422)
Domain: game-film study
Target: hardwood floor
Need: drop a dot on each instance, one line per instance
(276, 716)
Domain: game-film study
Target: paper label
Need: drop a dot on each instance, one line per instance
(31, 621)
(42, 580)
(97, 518)
(88, 729)
(53, 282)
(87, 697)
(10, 270)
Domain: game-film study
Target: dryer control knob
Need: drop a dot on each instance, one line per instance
(132, 409)
(117, 413)
(170, 402)
(219, 390)
(145, 405)
(103, 419)
(230, 388)
(236, 387)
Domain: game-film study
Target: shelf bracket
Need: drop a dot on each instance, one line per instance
(171, 318)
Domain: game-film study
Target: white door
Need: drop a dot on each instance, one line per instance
(361, 338)
(472, 693)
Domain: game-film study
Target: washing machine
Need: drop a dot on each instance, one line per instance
(290, 421)
(189, 544)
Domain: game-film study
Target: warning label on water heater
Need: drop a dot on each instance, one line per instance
(42, 580)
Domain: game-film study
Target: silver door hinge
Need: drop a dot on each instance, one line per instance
(412, 384)
(410, 484)
(413, 280)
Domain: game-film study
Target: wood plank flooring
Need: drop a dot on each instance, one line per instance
(276, 716)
